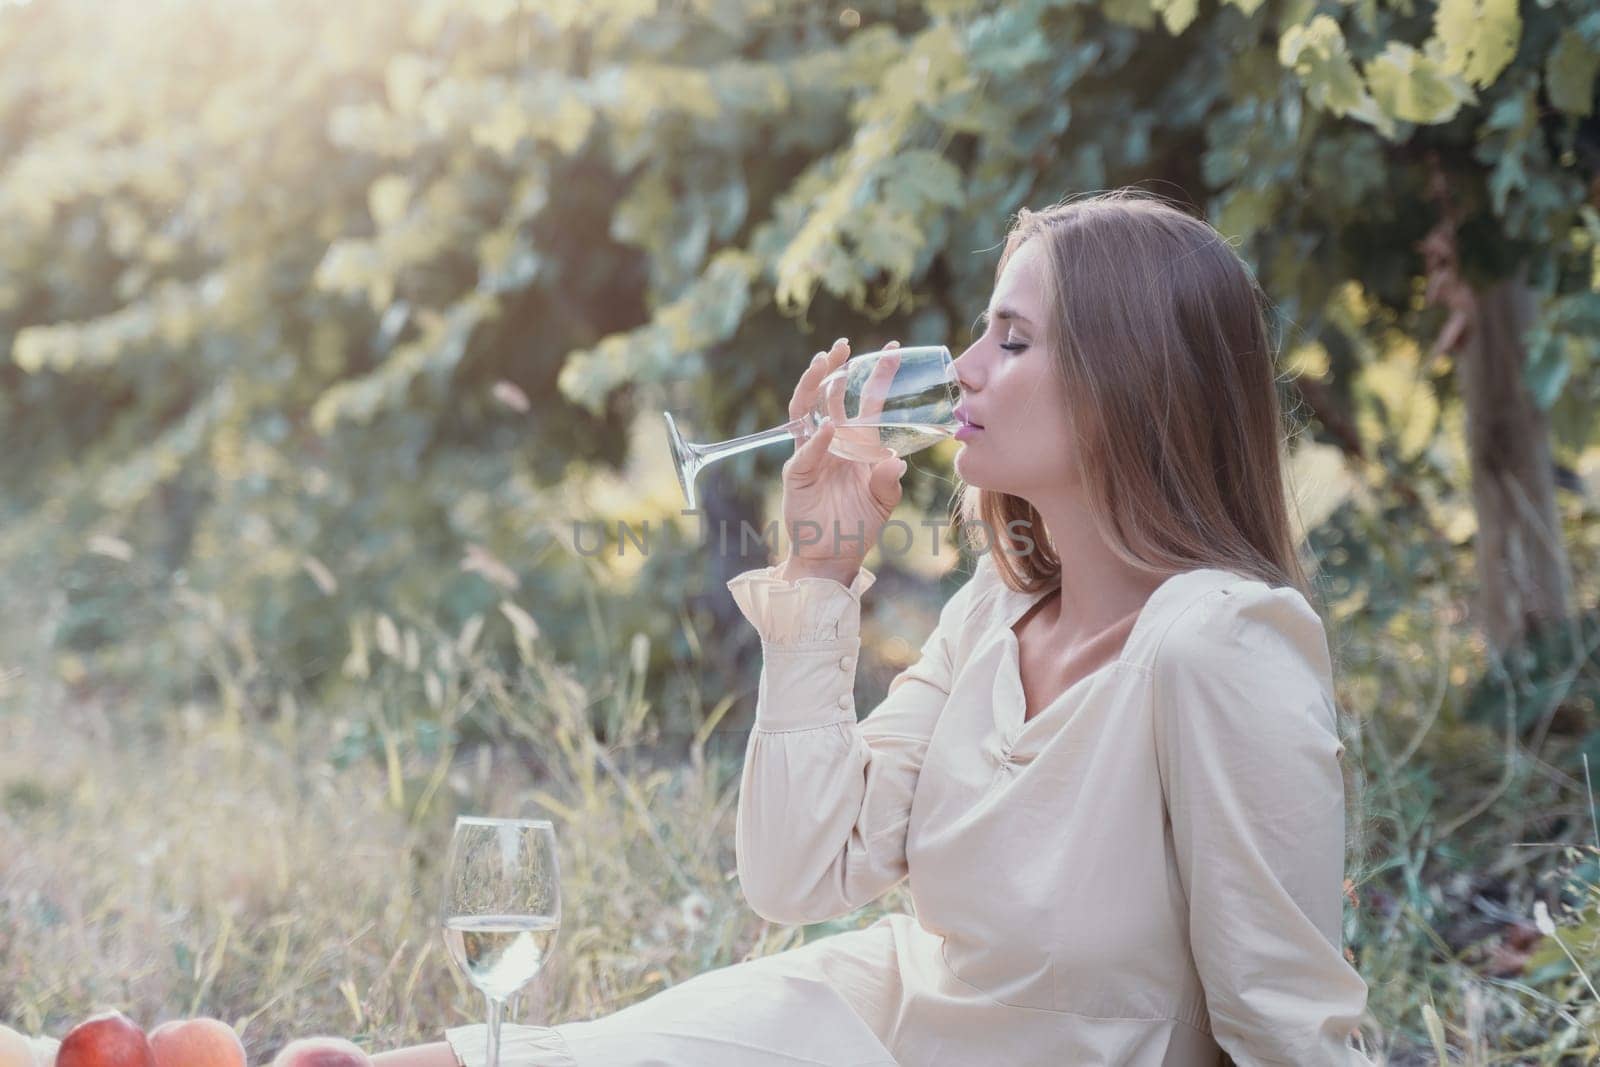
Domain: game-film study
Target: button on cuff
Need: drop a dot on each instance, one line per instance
(800, 686)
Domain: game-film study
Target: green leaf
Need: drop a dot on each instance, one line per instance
(921, 176)
(1137, 13)
(431, 358)
(1570, 71)
(1547, 371)
(1316, 52)
(1396, 401)
(1562, 346)
(707, 313)
(1415, 86)
(1479, 37)
(1177, 15)
(1243, 211)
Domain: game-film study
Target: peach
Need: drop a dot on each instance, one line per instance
(196, 1043)
(109, 1039)
(15, 1050)
(321, 1052)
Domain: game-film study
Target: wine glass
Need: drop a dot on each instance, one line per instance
(501, 907)
(887, 403)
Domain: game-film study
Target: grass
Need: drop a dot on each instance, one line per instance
(282, 875)
(1468, 828)
(277, 866)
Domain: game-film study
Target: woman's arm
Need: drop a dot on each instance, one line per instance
(823, 799)
(437, 1054)
(1248, 752)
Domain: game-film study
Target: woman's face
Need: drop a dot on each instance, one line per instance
(1010, 388)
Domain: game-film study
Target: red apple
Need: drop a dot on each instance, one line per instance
(15, 1050)
(109, 1039)
(321, 1052)
(197, 1043)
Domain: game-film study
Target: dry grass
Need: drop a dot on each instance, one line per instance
(257, 873)
(277, 867)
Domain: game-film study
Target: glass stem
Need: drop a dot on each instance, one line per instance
(735, 445)
(496, 1009)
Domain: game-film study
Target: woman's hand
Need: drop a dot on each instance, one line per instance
(834, 508)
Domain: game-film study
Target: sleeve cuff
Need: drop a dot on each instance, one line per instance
(803, 611)
(520, 1046)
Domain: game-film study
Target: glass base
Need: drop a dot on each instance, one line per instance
(685, 464)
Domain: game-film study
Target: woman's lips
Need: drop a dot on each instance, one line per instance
(967, 430)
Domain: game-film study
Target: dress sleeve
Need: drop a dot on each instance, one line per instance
(520, 1046)
(1248, 752)
(824, 799)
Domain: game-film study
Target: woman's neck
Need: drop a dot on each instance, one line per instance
(1098, 589)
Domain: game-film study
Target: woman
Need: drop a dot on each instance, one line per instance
(1113, 775)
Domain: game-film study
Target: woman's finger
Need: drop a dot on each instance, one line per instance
(835, 400)
(822, 364)
(839, 352)
(884, 481)
(876, 390)
(805, 390)
(808, 458)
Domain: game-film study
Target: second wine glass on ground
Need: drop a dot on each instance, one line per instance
(501, 907)
(887, 403)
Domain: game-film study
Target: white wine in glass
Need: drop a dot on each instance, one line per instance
(501, 907)
(887, 403)
(500, 953)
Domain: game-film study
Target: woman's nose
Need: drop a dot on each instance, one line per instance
(966, 370)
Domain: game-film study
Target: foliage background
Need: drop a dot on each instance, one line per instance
(327, 325)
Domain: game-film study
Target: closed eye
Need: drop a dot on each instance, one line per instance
(1013, 347)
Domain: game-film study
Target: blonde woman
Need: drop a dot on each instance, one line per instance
(1112, 776)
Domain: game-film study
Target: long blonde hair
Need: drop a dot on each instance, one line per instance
(1159, 331)
(1159, 334)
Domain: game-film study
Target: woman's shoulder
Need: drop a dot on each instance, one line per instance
(1231, 620)
(979, 599)
(973, 609)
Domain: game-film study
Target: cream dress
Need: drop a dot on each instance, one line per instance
(1148, 873)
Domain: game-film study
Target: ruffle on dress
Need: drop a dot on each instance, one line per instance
(801, 611)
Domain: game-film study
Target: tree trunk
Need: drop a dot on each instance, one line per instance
(1522, 562)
